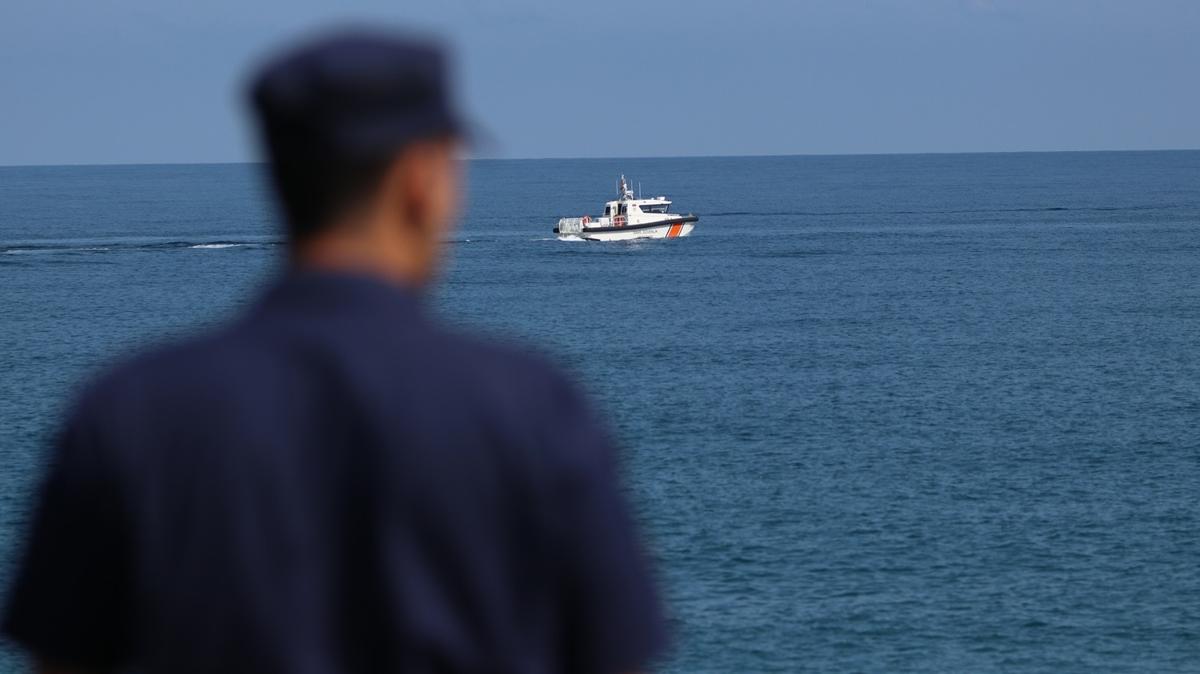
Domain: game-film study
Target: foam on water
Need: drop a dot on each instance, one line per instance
(69, 246)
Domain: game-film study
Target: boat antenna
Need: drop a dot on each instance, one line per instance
(624, 191)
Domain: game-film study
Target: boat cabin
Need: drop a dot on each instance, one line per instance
(656, 205)
(630, 210)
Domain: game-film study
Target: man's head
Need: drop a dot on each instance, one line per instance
(361, 138)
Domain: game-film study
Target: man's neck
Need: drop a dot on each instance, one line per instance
(362, 253)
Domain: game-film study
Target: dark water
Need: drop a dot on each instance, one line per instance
(901, 413)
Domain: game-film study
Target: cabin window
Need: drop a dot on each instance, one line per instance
(608, 210)
(654, 208)
(621, 209)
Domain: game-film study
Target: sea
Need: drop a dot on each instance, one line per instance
(901, 413)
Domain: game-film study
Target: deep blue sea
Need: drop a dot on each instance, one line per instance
(880, 413)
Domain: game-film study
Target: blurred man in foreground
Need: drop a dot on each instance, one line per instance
(334, 483)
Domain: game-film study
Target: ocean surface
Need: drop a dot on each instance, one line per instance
(879, 413)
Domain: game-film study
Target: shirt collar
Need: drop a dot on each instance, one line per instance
(317, 291)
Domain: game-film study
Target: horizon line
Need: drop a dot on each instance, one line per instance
(631, 157)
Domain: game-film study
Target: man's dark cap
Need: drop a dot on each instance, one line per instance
(359, 94)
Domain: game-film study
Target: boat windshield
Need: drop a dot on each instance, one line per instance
(654, 208)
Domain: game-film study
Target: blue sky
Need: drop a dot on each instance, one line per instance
(156, 81)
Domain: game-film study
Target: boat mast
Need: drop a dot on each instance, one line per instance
(625, 192)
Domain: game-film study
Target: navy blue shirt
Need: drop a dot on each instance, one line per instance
(335, 483)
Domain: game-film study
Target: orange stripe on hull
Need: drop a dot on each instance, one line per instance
(674, 231)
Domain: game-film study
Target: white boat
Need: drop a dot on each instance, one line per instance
(629, 217)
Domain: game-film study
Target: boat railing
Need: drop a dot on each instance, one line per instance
(576, 225)
(570, 226)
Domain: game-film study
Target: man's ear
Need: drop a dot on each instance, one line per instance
(409, 183)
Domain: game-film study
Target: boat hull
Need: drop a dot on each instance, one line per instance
(667, 229)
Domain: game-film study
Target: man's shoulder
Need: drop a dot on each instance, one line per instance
(495, 355)
(238, 356)
(154, 371)
(503, 367)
